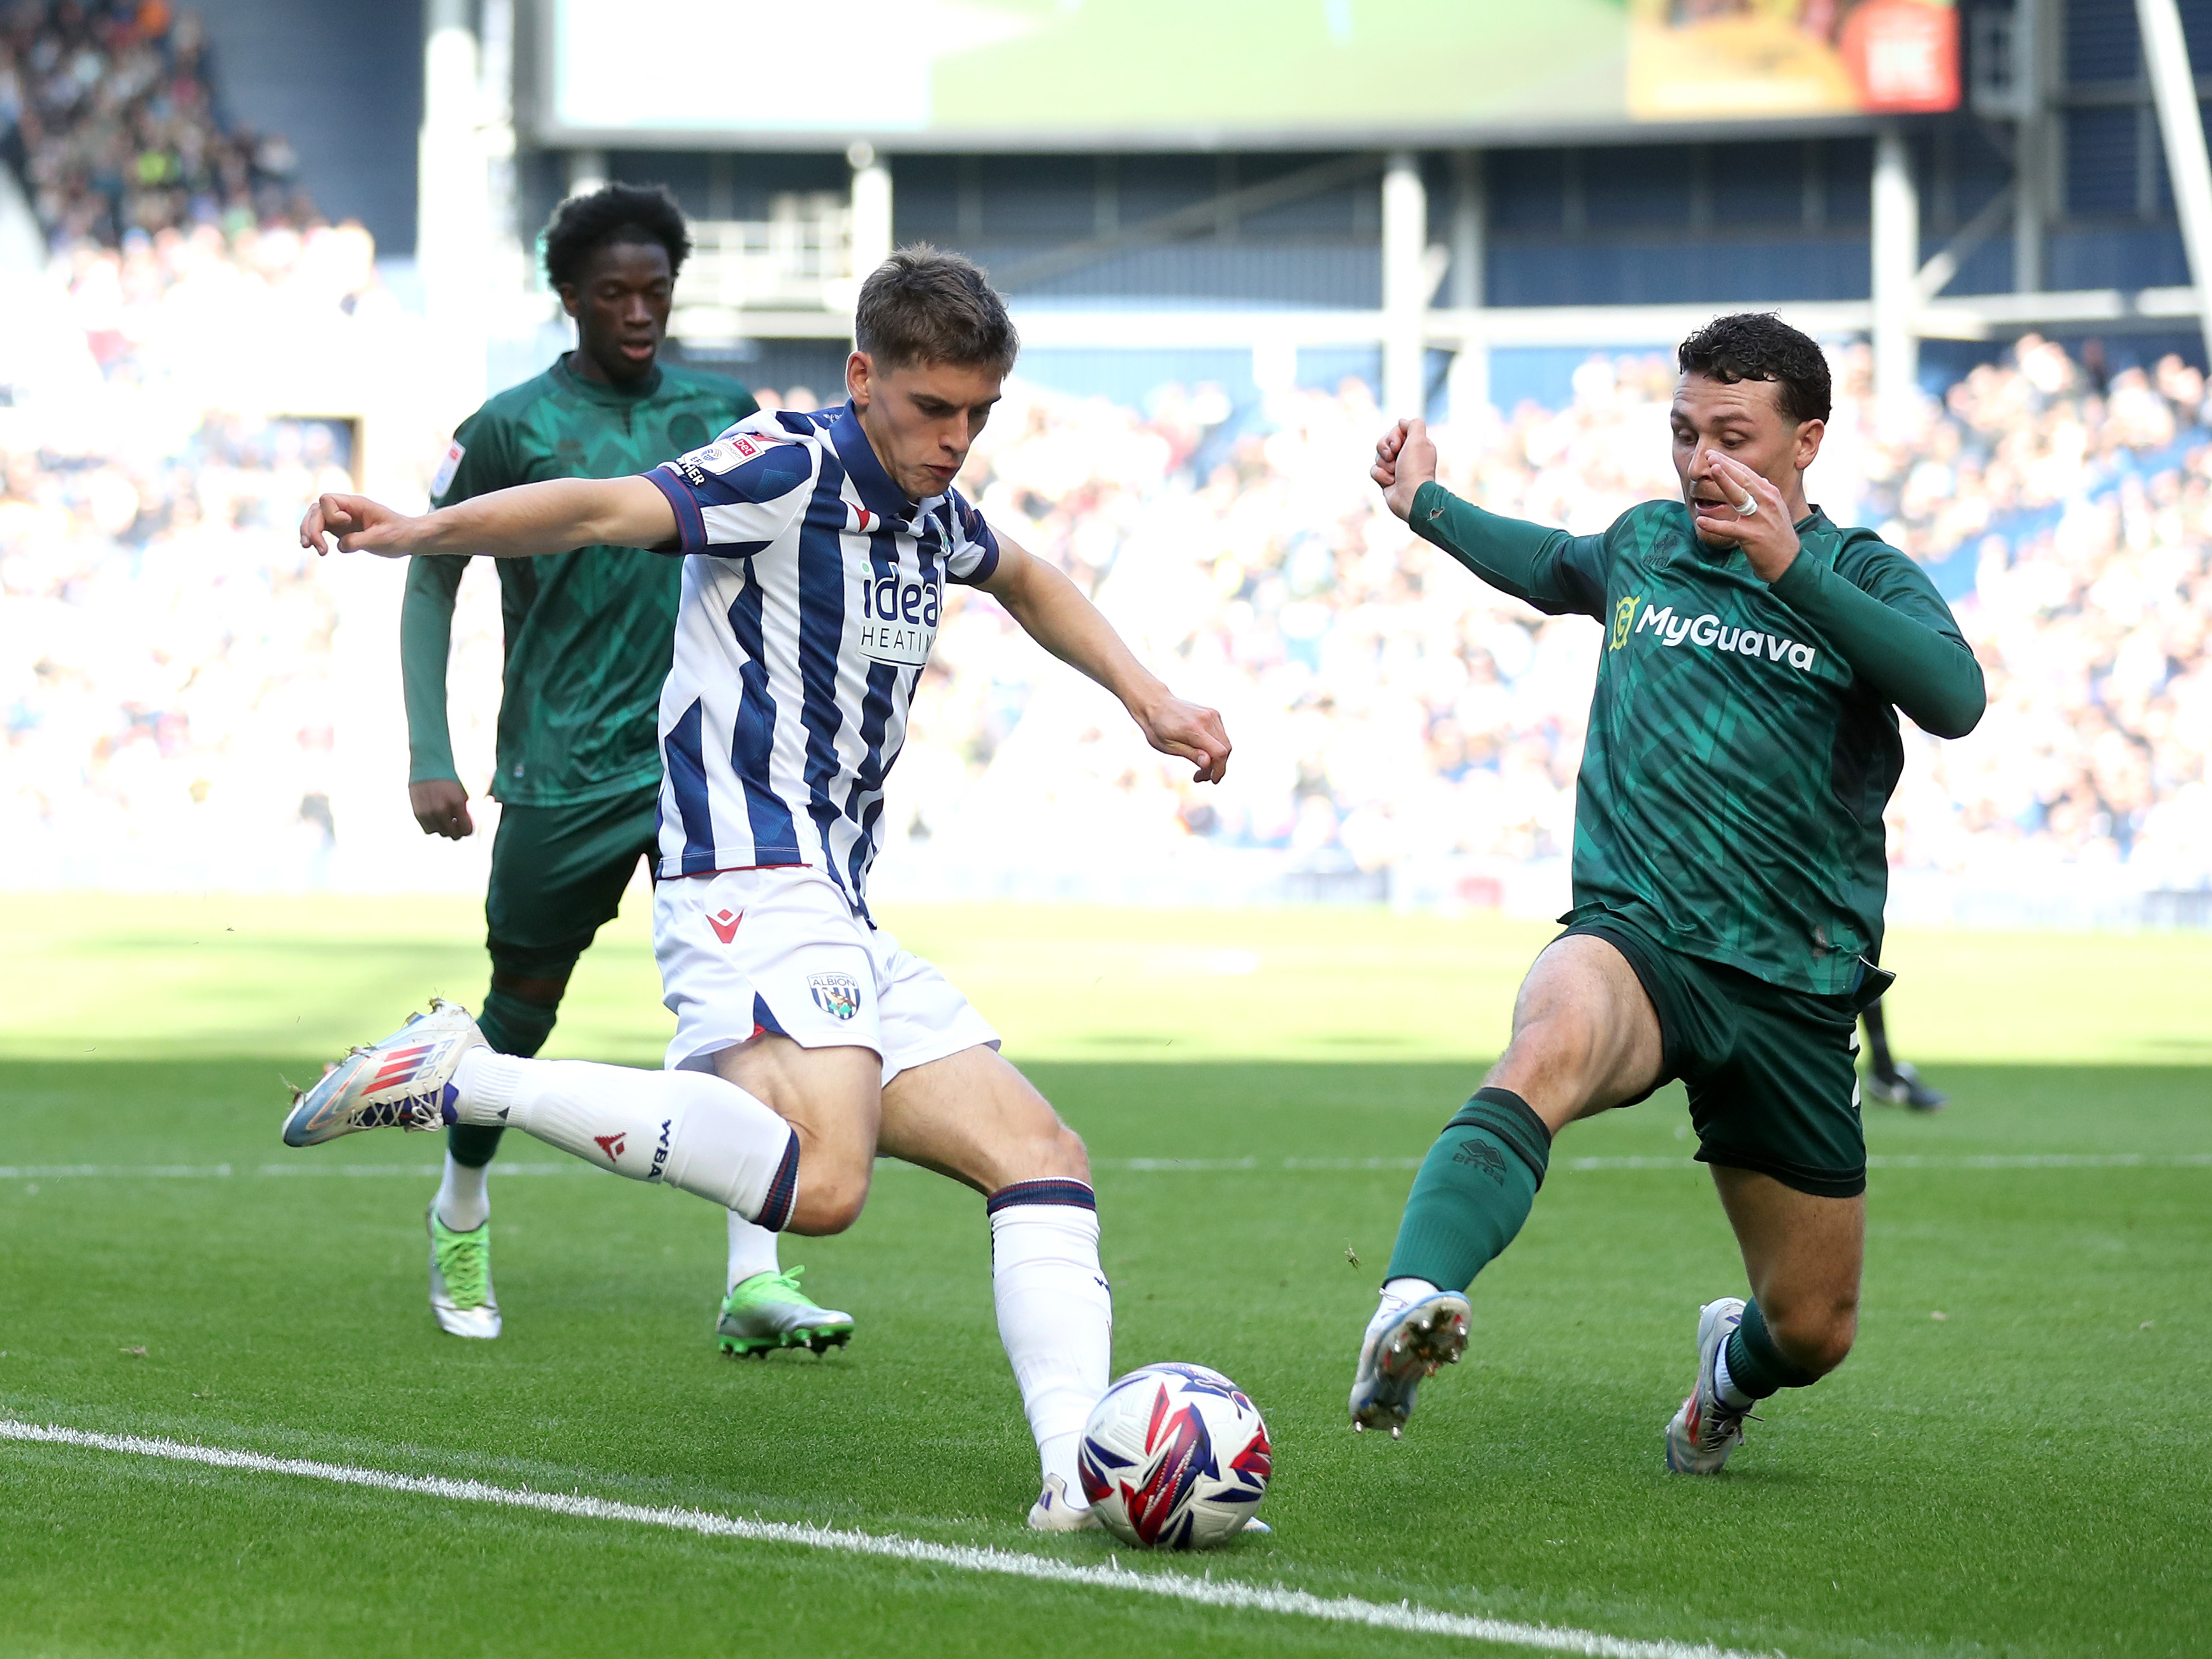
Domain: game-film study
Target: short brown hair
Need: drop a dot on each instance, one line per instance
(925, 305)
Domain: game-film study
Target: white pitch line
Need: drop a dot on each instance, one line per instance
(1210, 1592)
(1137, 1165)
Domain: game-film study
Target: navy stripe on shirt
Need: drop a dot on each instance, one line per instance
(686, 759)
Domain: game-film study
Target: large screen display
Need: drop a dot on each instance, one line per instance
(1100, 74)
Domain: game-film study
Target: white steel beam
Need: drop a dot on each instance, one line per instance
(2181, 124)
(1406, 286)
(1896, 251)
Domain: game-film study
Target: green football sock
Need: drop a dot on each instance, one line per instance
(1473, 1191)
(512, 1026)
(1755, 1365)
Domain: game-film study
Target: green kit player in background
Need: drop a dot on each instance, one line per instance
(1729, 873)
(589, 635)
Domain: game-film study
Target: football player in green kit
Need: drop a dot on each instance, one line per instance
(589, 634)
(1728, 873)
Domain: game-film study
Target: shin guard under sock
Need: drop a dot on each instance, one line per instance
(1474, 1190)
(1755, 1365)
(693, 1130)
(1055, 1312)
(517, 1026)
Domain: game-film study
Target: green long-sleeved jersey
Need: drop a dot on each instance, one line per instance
(589, 633)
(1743, 738)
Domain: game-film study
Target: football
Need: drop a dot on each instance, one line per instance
(1176, 1457)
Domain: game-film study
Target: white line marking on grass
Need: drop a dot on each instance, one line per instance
(1204, 1592)
(567, 1166)
(142, 1171)
(1139, 1165)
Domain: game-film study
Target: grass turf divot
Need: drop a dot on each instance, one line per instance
(1206, 1591)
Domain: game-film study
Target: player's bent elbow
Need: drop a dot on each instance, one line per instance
(1955, 719)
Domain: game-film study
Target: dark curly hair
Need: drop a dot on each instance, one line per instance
(1757, 345)
(613, 213)
(925, 305)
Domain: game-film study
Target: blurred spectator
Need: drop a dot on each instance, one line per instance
(108, 115)
(165, 650)
(1386, 706)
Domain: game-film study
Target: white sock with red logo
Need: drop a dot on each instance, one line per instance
(687, 1129)
(1055, 1312)
(752, 1250)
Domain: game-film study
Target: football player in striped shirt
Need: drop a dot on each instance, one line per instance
(818, 550)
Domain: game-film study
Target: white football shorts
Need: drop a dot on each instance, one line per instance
(747, 951)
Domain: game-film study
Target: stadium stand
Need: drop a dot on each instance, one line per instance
(108, 114)
(1401, 731)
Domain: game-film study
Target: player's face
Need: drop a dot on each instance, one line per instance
(922, 418)
(1744, 420)
(621, 308)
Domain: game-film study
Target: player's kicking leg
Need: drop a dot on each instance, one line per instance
(966, 1113)
(1585, 1037)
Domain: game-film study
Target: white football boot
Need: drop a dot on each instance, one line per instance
(1405, 1344)
(1707, 1428)
(1052, 1513)
(405, 1082)
(461, 1297)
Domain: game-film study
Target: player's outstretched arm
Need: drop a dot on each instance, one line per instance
(1053, 611)
(1552, 571)
(521, 523)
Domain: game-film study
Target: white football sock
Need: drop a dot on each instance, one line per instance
(463, 1202)
(1725, 1385)
(1409, 1290)
(752, 1250)
(1055, 1313)
(688, 1129)
(1396, 1294)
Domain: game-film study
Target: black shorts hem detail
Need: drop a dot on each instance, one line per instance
(1814, 1184)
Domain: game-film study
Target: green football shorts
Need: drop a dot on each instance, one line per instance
(1773, 1073)
(557, 874)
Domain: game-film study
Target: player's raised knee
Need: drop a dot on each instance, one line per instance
(1065, 1155)
(829, 1198)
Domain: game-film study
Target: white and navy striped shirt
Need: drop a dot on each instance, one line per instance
(812, 595)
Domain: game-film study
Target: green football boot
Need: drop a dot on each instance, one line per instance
(769, 1311)
(460, 1279)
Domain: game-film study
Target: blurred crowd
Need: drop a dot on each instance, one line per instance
(169, 661)
(108, 115)
(165, 661)
(1388, 709)
(166, 671)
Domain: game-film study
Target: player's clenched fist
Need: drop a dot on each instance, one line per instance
(1405, 460)
(357, 524)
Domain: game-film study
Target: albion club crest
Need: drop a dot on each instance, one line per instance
(835, 994)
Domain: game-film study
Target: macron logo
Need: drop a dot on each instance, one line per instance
(1707, 633)
(725, 924)
(610, 1144)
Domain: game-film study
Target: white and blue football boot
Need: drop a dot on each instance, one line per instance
(1707, 1428)
(404, 1082)
(1406, 1342)
(1052, 1512)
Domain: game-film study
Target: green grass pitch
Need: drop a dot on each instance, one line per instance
(2014, 1461)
